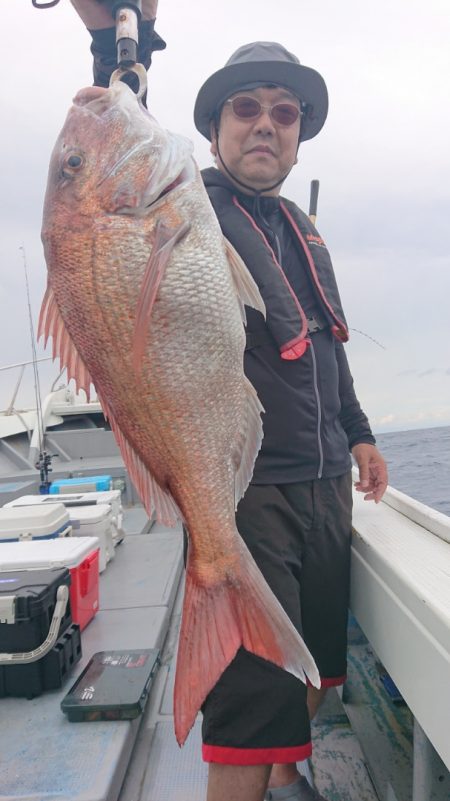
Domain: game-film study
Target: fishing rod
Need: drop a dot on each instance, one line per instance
(313, 200)
(44, 461)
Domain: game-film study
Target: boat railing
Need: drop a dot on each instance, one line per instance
(21, 367)
(46, 411)
(400, 596)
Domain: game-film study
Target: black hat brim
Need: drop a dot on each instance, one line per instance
(307, 84)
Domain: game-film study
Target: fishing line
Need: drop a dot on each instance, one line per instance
(37, 388)
(368, 337)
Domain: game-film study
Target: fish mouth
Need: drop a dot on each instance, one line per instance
(186, 175)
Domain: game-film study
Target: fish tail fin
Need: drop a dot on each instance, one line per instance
(217, 620)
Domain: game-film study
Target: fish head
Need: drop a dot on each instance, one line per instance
(113, 157)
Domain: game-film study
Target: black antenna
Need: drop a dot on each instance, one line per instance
(313, 199)
(44, 462)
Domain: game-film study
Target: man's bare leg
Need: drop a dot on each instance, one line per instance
(237, 782)
(314, 699)
(282, 775)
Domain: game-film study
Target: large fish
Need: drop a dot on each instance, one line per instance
(145, 300)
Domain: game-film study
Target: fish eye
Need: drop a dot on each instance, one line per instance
(72, 164)
(74, 161)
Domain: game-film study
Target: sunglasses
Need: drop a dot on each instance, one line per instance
(249, 108)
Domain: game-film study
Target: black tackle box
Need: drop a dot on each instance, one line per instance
(27, 603)
(114, 685)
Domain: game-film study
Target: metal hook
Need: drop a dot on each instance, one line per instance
(44, 5)
(138, 70)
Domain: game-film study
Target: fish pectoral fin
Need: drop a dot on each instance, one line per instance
(246, 289)
(219, 619)
(51, 324)
(165, 240)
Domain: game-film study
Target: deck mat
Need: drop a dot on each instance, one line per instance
(175, 774)
(338, 766)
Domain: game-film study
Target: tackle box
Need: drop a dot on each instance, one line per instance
(79, 554)
(33, 523)
(81, 484)
(113, 686)
(111, 497)
(87, 520)
(27, 604)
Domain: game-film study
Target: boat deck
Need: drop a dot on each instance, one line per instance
(362, 741)
(42, 754)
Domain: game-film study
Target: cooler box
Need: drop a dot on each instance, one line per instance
(87, 520)
(81, 484)
(34, 523)
(27, 602)
(112, 497)
(79, 554)
(94, 521)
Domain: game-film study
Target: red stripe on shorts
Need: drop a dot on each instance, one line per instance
(336, 682)
(255, 756)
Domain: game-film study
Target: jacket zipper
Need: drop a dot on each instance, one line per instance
(319, 410)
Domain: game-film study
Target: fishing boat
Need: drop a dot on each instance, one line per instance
(383, 737)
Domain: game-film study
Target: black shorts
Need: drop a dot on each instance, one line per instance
(300, 536)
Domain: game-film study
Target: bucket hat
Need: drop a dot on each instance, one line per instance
(262, 63)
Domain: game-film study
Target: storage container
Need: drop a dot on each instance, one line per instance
(27, 603)
(79, 554)
(94, 521)
(111, 497)
(33, 523)
(81, 484)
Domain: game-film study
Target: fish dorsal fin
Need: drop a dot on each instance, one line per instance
(51, 324)
(246, 289)
(248, 442)
(165, 240)
(155, 499)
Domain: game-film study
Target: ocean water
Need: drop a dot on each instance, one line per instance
(419, 464)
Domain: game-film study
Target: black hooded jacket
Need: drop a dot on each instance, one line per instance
(312, 416)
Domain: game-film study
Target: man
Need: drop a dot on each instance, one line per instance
(296, 514)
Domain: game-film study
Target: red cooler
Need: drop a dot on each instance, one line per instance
(79, 554)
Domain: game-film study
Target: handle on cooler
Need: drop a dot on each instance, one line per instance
(86, 572)
(62, 596)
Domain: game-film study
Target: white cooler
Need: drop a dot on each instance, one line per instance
(79, 554)
(33, 522)
(94, 521)
(87, 520)
(110, 497)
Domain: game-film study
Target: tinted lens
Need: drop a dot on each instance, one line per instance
(285, 113)
(246, 107)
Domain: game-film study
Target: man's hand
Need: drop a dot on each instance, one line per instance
(96, 15)
(373, 477)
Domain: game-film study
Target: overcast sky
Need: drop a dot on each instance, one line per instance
(383, 161)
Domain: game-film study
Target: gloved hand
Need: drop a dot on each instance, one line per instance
(96, 14)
